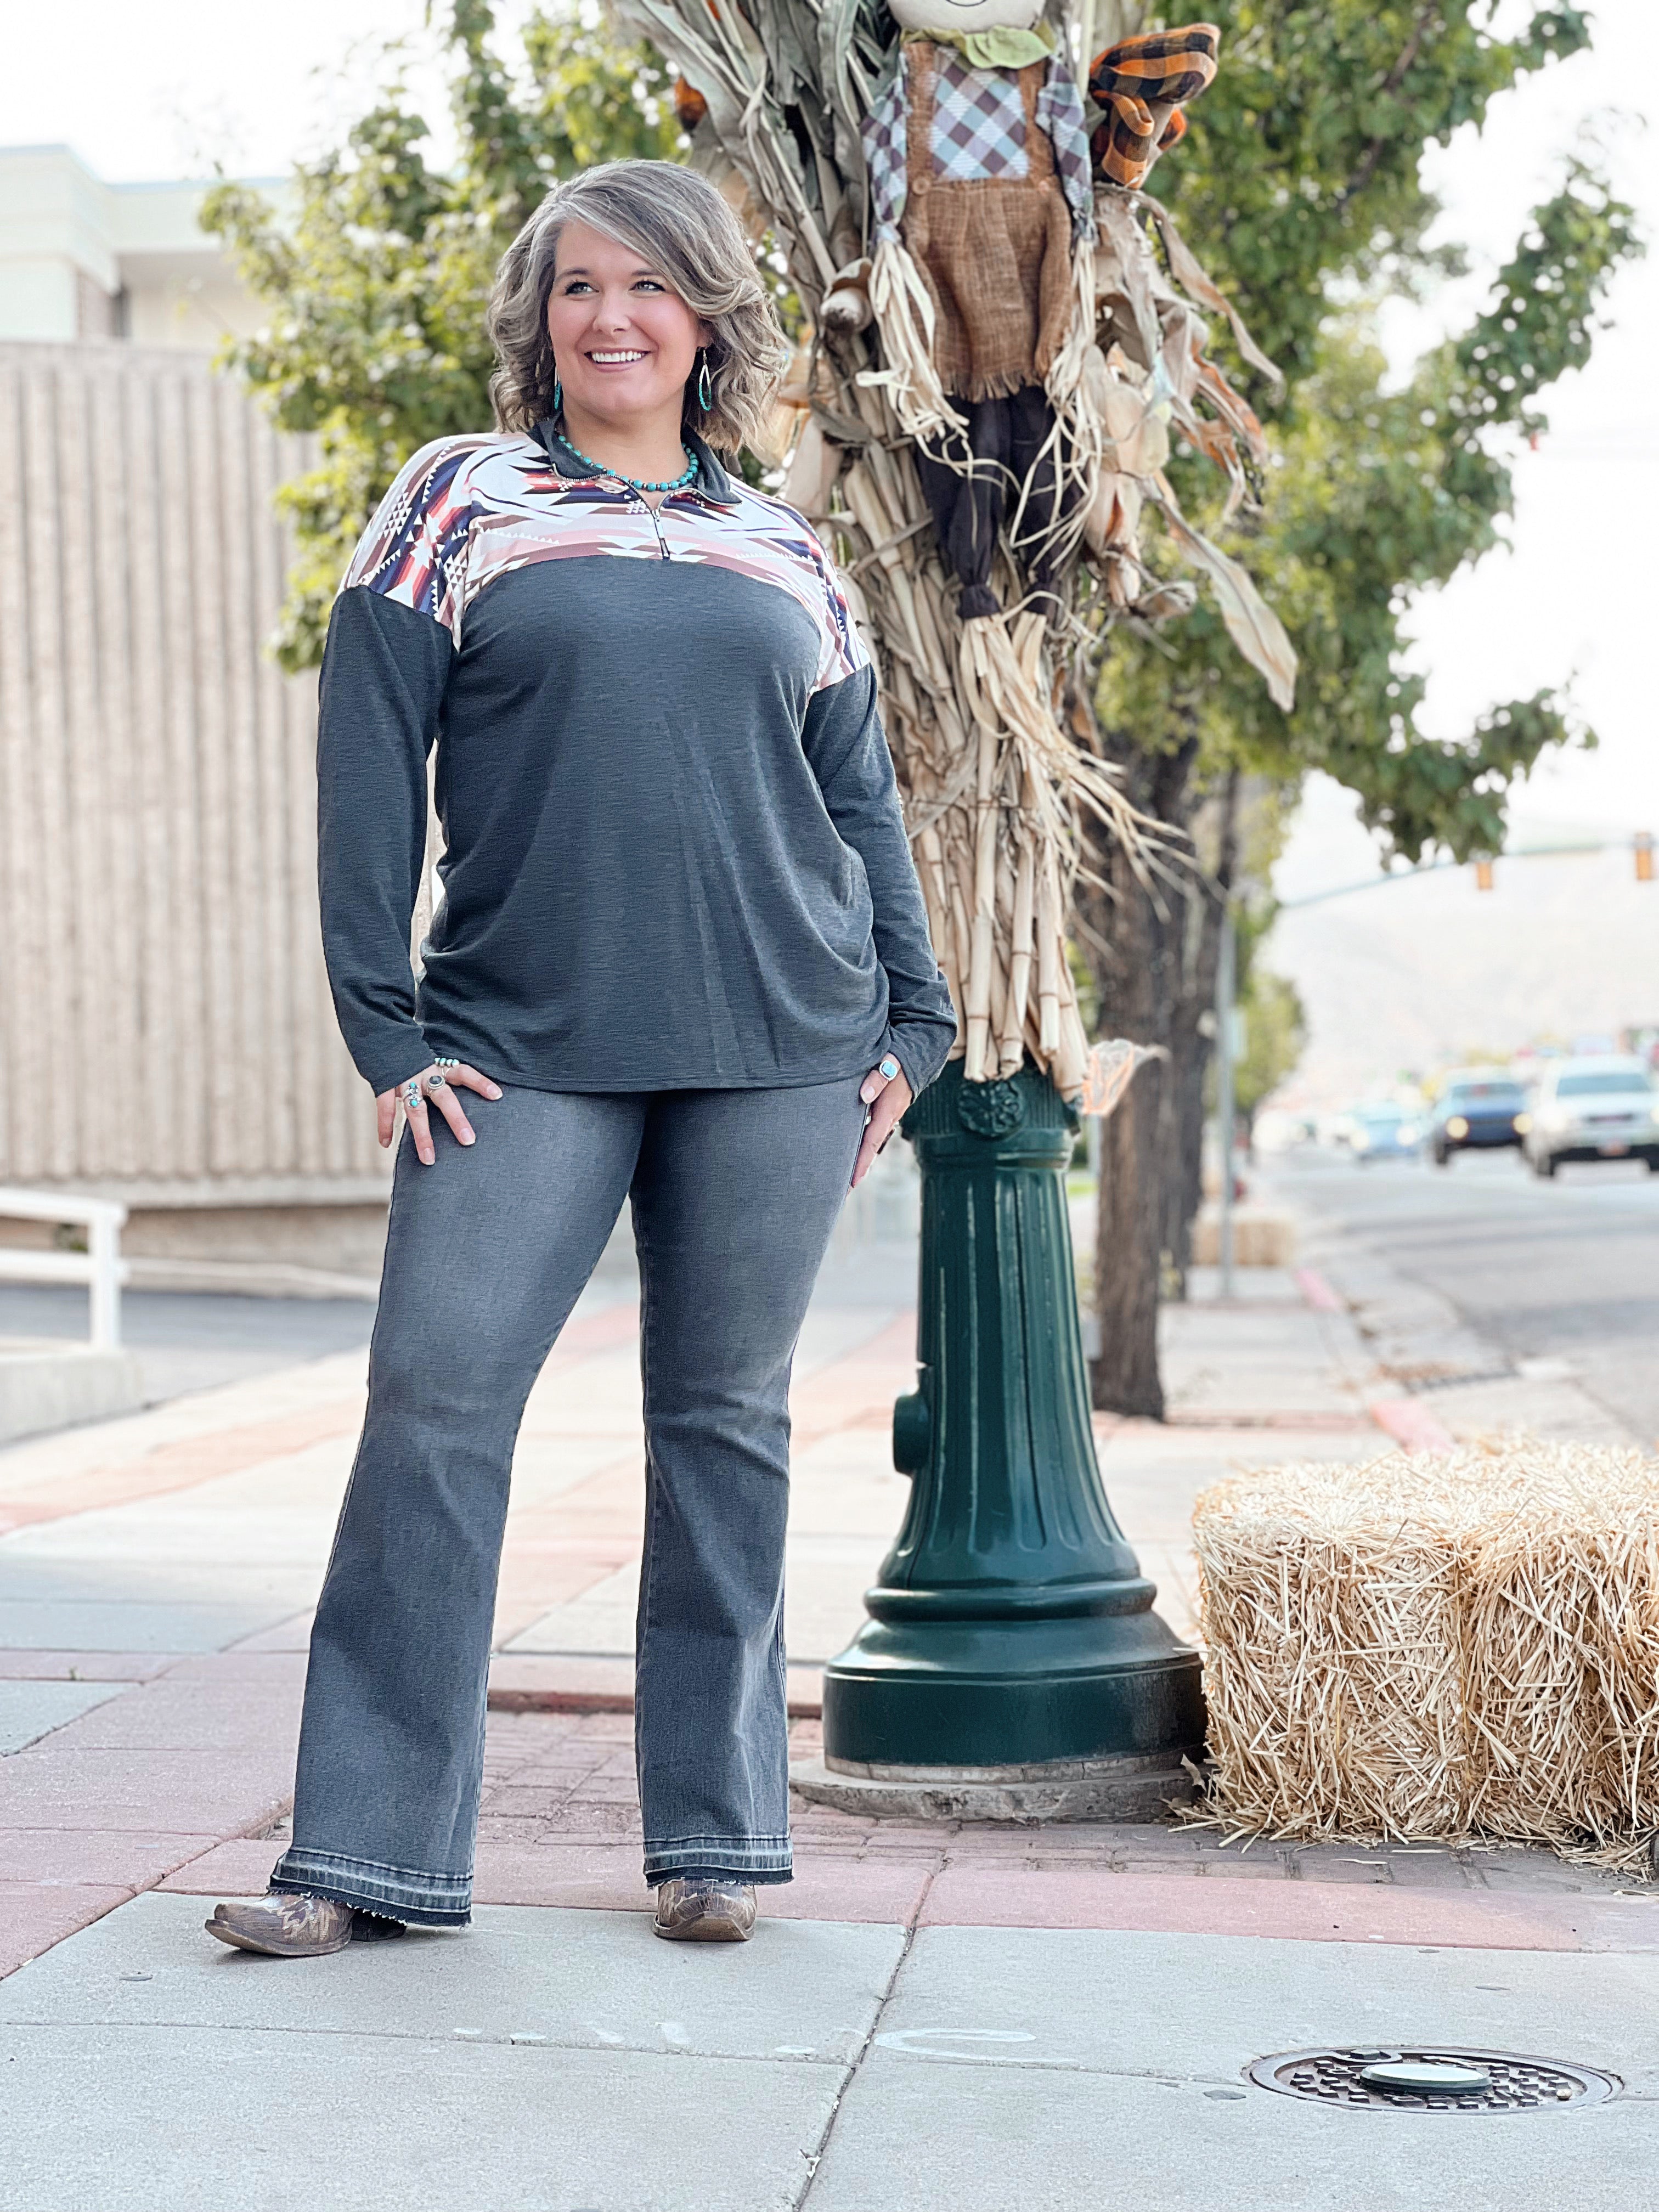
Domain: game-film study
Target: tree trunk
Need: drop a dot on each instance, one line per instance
(1133, 941)
(1135, 1158)
(1153, 960)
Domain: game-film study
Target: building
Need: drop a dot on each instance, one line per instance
(83, 259)
(164, 1012)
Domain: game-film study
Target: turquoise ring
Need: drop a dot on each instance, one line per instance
(887, 1066)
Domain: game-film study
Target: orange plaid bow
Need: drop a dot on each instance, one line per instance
(1143, 82)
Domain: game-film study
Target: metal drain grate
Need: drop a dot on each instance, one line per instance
(1516, 2084)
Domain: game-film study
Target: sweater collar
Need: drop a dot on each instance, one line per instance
(711, 479)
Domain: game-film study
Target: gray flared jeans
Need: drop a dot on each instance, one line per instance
(734, 1195)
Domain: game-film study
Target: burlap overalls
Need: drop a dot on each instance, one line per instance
(996, 251)
(996, 255)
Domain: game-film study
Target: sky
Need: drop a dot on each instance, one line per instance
(167, 90)
(1571, 604)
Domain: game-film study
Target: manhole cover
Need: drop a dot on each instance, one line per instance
(1423, 2078)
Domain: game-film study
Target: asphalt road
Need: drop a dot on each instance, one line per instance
(1568, 1269)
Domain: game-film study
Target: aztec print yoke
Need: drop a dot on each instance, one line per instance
(466, 511)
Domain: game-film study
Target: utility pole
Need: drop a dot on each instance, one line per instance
(1226, 1019)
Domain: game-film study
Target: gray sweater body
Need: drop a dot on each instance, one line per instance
(673, 855)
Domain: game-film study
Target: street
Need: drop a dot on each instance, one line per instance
(1566, 1271)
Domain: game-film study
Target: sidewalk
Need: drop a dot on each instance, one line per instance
(1103, 1986)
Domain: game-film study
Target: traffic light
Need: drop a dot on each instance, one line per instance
(1483, 875)
(1643, 845)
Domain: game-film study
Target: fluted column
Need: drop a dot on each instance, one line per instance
(1010, 1625)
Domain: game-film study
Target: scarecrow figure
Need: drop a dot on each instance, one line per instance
(1009, 321)
(978, 160)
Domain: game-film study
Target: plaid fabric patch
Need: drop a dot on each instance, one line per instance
(884, 159)
(1136, 73)
(1158, 65)
(978, 121)
(1059, 114)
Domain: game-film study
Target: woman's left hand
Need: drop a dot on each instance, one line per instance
(887, 1097)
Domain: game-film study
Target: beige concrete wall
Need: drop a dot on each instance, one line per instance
(165, 1024)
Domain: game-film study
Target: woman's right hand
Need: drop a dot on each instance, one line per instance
(433, 1086)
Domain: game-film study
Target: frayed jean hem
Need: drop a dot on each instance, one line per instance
(763, 1861)
(420, 1899)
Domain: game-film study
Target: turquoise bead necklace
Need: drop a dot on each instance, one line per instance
(677, 483)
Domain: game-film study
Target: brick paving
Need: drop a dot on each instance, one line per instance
(559, 1816)
(209, 1520)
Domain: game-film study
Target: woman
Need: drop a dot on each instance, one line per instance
(681, 959)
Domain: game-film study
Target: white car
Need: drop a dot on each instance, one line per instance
(1603, 1107)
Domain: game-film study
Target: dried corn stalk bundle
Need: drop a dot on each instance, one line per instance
(990, 719)
(1455, 1647)
(1151, 370)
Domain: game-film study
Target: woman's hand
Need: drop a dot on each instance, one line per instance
(887, 1094)
(433, 1086)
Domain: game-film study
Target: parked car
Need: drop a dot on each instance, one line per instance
(1383, 1133)
(1599, 1107)
(1478, 1110)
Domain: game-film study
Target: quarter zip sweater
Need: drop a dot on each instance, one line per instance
(674, 856)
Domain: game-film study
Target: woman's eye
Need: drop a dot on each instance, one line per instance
(647, 284)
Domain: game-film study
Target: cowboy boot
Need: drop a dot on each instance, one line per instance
(704, 1912)
(291, 1925)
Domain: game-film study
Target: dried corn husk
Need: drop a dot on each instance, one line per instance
(1456, 1646)
(1110, 1070)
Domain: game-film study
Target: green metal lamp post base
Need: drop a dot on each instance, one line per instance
(1011, 1628)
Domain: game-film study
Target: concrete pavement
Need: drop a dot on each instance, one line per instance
(553, 2061)
(977, 2017)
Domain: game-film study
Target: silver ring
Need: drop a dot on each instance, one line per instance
(436, 1083)
(887, 1066)
(410, 1094)
(441, 1060)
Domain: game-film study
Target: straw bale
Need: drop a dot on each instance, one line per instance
(1454, 1646)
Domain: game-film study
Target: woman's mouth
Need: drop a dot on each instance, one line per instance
(617, 357)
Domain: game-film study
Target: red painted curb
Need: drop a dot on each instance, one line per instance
(1410, 1423)
(1317, 1292)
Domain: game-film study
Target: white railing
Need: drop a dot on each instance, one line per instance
(100, 1266)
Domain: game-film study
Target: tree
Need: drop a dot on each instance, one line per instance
(377, 282)
(1275, 1036)
(1299, 182)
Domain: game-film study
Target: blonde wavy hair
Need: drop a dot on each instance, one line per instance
(675, 220)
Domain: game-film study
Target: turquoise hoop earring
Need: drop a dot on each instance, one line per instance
(705, 386)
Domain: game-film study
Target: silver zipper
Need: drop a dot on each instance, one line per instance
(656, 523)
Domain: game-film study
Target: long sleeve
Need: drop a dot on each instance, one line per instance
(846, 748)
(885, 154)
(1060, 111)
(384, 671)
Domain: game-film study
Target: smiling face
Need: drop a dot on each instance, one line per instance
(966, 14)
(624, 344)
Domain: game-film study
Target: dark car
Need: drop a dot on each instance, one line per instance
(1478, 1113)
